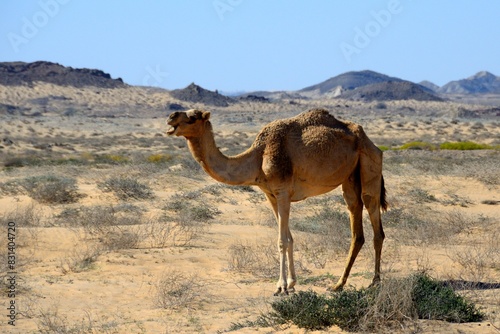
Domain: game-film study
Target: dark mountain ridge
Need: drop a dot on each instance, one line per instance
(360, 85)
(20, 73)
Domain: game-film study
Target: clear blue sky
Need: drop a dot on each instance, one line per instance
(234, 45)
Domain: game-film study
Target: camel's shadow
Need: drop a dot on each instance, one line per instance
(470, 285)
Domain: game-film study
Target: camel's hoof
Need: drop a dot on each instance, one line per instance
(374, 284)
(281, 291)
(336, 288)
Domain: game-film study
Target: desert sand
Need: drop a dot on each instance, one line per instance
(191, 255)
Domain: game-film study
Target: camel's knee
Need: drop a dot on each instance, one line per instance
(369, 202)
(284, 245)
(358, 240)
(378, 238)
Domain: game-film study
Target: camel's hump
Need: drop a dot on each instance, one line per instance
(284, 127)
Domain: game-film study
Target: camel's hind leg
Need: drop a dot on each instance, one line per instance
(352, 195)
(373, 205)
(374, 199)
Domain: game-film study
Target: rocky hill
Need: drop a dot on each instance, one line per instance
(348, 81)
(390, 90)
(196, 94)
(20, 73)
(480, 83)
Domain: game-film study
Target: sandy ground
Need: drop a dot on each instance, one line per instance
(66, 283)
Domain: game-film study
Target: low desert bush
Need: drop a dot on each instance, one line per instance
(259, 259)
(112, 159)
(24, 222)
(51, 189)
(159, 158)
(112, 227)
(50, 321)
(434, 300)
(464, 146)
(27, 216)
(421, 196)
(394, 303)
(306, 309)
(190, 209)
(81, 259)
(126, 188)
(176, 289)
(158, 231)
(161, 232)
(418, 145)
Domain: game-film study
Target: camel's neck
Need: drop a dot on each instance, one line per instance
(243, 169)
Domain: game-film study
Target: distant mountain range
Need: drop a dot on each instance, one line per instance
(20, 73)
(348, 81)
(355, 85)
(391, 90)
(369, 86)
(480, 83)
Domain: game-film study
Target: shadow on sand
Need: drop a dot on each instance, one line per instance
(470, 285)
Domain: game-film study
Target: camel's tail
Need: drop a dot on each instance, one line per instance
(383, 196)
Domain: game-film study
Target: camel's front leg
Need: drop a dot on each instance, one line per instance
(286, 282)
(291, 279)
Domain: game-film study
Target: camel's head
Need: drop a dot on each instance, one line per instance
(187, 123)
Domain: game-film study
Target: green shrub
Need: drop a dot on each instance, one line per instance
(159, 158)
(464, 146)
(418, 145)
(374, 308)
(349, 306)
(384, 148)
(436, 301)
(306, 309)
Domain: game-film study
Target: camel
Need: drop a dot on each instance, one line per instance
(292, 159)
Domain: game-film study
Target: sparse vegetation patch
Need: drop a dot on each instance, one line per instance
(464, 146)
(51, 189)
(126, 188)
(374, 309)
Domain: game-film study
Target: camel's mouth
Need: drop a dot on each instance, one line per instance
(171, 131)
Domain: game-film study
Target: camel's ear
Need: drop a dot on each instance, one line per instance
(205, 116)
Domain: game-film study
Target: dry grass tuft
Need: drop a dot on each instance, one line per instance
(176, 290)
